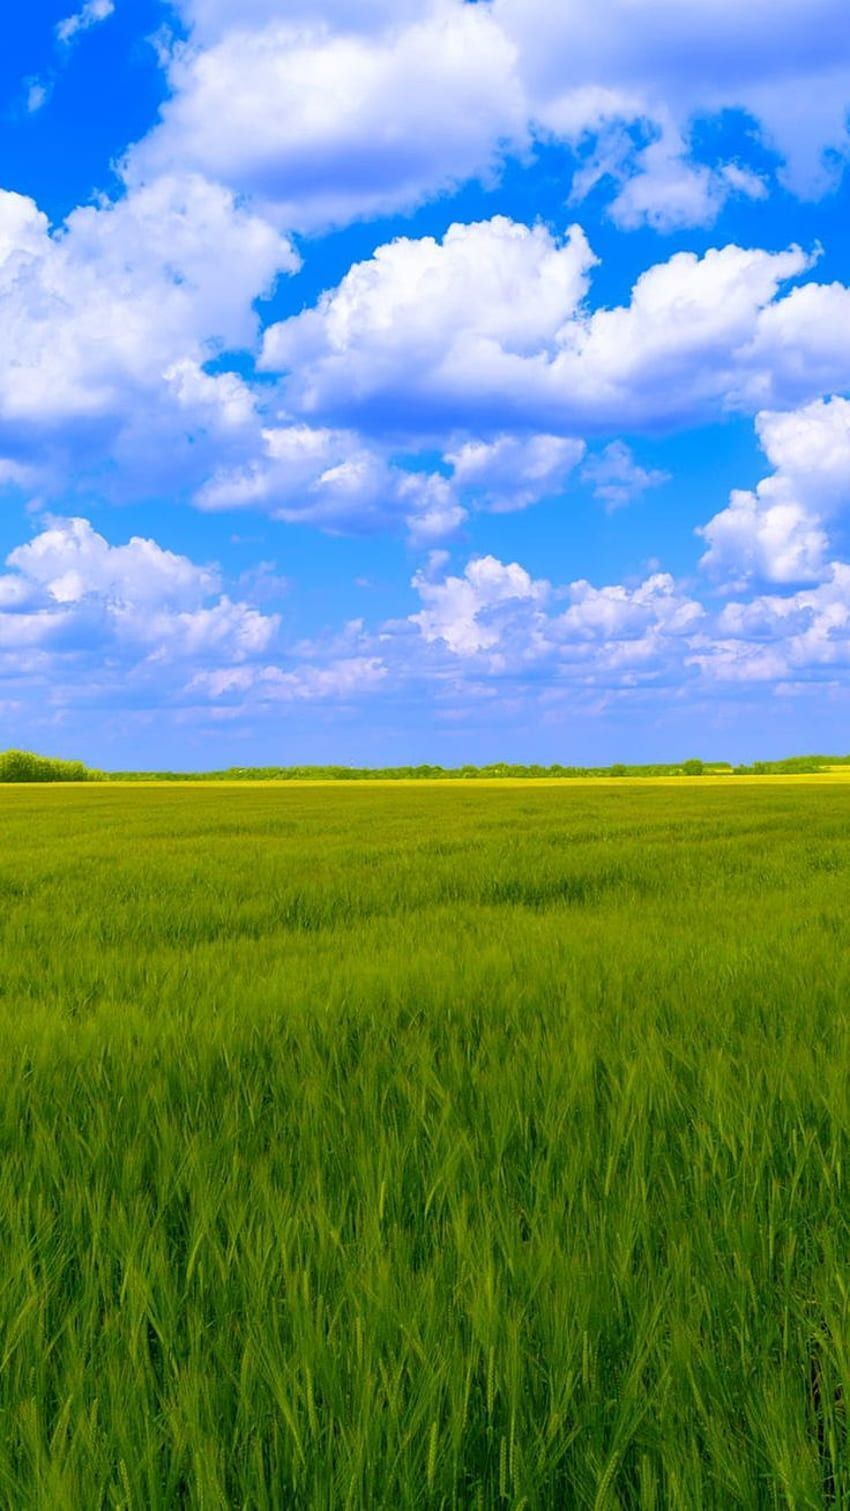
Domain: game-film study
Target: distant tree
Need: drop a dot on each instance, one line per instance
(693, 768)
(25, 766)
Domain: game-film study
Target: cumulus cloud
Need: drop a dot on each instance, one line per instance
(659, 184)
(78, 590)
(470, 613)
(501, 628)
(138, 621)
(772, 638)
(329, 113)
(498, 617)
(69, 561)
(773, 539)
(775, 532)
(323, 119)
(109, 321)
(489, 330)
(512, 471)
(77, 612)
(210, 20)
(331, 479)
(482, 345)
(660, 65)
(429, 314)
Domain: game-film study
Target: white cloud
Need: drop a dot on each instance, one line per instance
(660, 64)
(124, 291)
(668, 191)
(617, 478)
(69, 588)
(496, 283)
(91, 14)
(658, 184)
(81, 620)
(775, 533)
(509, 623)
(322, 122)
(467, 613)
(109, 320)
(481, 345)
(620, 613)
(513, 472)
(773, 541)
(84, 620)
(342, 110)
(798, 349)
(344, 677)
(488, 330)
(799, 636)
(499, 628)
(70, 561)
(331, 479)
(414, 328)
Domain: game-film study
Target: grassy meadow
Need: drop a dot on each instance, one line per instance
(425, 1145)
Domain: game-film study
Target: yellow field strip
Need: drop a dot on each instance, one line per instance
(830, 776)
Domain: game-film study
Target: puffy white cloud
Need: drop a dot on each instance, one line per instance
(108, 323)
(422, 328)
(617, 478)
(659, 184)
(323, 122)
(83, 620)
(433, 507)
(342, 110)
(775, 533)
(69, 561)
(425, 309)
(331, 479)
(661, 64)
(498, 626)
(512, 471)
(798, 636)
(69, 587)
(774, 541)
(798, 349)
(679, 349)
(621, 613)
(489, 331)
(468, 613)
(508, 623)
(481, 344)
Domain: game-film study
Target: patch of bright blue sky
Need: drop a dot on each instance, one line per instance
(102, 92)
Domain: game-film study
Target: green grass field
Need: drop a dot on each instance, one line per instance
(425, 1146)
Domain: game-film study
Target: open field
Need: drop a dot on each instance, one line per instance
(410, 1146)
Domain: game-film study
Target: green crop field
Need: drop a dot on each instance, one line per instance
(425, 1145)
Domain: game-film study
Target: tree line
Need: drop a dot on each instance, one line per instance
(26, 766)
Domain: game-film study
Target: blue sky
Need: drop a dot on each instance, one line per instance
(434, 381)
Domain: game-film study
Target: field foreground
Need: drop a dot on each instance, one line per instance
(443, 1146)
